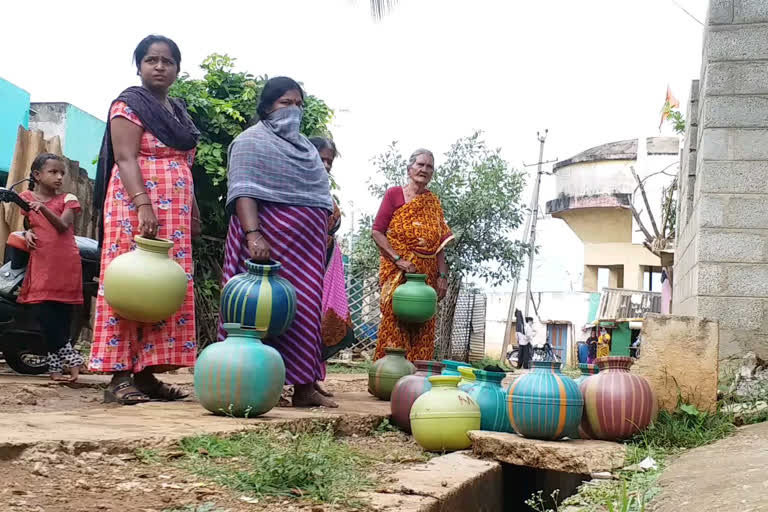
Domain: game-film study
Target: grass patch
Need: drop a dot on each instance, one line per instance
(310, 466)
(490, 361)
(684, 429)
(361, 367)
(147, 456)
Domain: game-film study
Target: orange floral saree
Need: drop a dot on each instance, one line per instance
(417, 232)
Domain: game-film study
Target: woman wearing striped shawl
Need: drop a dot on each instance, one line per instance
(280, 195)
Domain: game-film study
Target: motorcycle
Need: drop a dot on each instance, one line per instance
(21, 341)
(539, 353)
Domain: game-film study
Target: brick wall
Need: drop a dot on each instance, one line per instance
(721, 267)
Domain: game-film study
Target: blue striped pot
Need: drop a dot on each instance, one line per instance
(545, 404)
(239, 376)
(259, 299)
(452, 367)
(492, 399)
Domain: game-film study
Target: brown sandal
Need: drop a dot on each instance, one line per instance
(125, 393)
(159, 390)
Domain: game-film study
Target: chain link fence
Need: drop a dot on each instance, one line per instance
(467, 338)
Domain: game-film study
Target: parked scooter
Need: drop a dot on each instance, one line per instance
(21, 341)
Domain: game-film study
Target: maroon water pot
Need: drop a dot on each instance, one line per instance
(617, 404)
(409, 388)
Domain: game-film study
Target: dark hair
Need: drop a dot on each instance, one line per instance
(273, 90)
(37, 165)
(322, 143)
(143, 47)
(529, 319)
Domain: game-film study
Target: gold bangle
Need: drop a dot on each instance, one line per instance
(137, 194)
(195, 218)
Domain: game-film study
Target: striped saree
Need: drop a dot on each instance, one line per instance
(417, 232)
(297, 235)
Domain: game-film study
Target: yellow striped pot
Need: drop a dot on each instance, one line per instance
(259, 298)
(239, 376)
(545, 404)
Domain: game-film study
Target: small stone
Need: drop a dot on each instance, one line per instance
(82, 484)
(39, 470)
(444, 483)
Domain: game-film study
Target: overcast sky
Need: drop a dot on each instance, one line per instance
(591, 71)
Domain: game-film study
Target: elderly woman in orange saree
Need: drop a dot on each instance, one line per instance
(411, 233)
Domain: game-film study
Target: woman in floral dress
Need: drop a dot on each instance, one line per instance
(144, 187)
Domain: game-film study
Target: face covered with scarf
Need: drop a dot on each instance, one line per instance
(290, 170)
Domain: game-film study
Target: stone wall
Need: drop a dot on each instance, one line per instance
(721, 268)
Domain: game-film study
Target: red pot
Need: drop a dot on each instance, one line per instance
(409, 388)
(617, 404)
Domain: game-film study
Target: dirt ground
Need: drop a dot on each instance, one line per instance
(39, 393)
(726, 476)
(94, 481)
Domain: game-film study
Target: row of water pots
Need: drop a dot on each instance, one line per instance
(440, 402)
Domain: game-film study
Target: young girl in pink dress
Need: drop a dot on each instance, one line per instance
(53, 281)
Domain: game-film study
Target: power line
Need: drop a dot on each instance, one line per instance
(686, 12)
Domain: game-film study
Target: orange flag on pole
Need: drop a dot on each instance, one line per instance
(669, 103)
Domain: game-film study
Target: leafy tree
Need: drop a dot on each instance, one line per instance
(480, 195)
(222, 104)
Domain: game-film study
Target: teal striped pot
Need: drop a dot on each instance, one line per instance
(545, 404)
(239, 376)
(259, 299)
(492, 399)
(452, 367)
(587, 370)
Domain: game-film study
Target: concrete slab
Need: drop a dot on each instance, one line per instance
(162, 419)
(572, 456)
(452, 482)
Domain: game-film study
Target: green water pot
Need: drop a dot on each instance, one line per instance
(467, 377)
(414, 301)
(385, 372)
(239, 376)
(441, 417)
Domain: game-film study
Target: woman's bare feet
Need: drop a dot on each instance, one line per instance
(59, 377)
(305, 395)
(320, 389)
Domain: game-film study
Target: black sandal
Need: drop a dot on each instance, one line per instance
(122, 396)
(156, 389)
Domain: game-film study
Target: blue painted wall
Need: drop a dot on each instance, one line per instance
(14, 111)
(83, 138)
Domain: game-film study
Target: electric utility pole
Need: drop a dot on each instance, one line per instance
(529, 237)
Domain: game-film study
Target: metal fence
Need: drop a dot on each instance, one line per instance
(467, 338)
